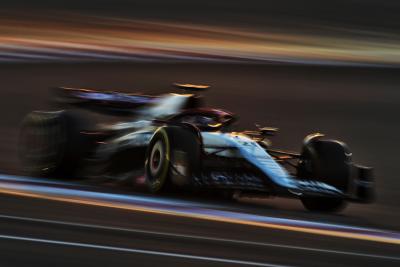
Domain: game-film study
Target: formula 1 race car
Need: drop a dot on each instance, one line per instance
(173, 142)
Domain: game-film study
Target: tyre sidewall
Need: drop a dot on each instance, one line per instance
(177, 141)
(326, 161)
(158, 182)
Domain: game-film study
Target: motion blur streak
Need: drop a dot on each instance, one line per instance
(139, 251)
(187, 209)
(66, 36)
(213, 239)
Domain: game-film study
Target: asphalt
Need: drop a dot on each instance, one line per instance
(359, 106)
(85, 235)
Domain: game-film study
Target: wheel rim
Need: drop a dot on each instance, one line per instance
(156, 158)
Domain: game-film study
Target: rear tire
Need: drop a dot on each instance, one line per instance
(172, 159)
(51, 143)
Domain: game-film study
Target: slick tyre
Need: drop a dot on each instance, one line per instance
(172, 159)
(327, 161)
(323, 204)
(51, 143)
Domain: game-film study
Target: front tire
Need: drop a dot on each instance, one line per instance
(327, 161)
(323, 204)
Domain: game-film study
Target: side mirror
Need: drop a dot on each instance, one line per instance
(267, 131)
(191, 87)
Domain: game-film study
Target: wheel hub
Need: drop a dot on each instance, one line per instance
(156, 158)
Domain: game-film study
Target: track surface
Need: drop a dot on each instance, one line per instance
(115, 228)
(359, 106)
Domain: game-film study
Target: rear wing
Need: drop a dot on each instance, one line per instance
(101, 100)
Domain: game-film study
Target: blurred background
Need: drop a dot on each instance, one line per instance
(303, 66)
(357, 33)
